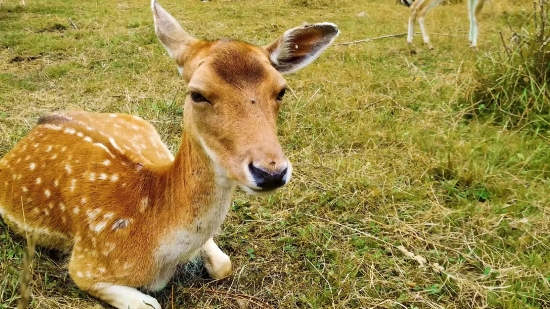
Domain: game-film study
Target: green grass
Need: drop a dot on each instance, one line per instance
(383, 151)
(513, 84)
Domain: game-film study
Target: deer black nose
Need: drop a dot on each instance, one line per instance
(266, 180)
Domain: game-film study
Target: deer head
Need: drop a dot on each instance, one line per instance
(234, 94)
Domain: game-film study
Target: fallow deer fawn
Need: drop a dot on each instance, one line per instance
(105, 186)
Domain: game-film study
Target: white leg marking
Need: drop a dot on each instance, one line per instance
(410, 35)
(470, 13)
(123, 297)
(216, 262)
(425, 35)
(473, 7)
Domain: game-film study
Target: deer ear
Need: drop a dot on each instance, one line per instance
(169, 32)
(300, 46)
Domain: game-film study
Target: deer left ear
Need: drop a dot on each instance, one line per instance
(300, 46)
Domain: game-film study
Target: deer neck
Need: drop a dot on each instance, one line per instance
(196, 189)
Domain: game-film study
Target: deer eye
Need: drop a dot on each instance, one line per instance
(281, 94)
(198, 98)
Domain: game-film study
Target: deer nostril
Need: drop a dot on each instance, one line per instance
(267, 180)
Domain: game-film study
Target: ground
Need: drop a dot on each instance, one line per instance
(399, 199)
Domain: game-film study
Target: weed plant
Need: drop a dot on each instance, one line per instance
(514, 83)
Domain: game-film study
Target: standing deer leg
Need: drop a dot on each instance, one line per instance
(425, 35)
(217, 263)
(423, 11)
(410, 34)
(474, 8)
(471, 17)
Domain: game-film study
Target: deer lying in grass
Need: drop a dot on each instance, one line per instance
(419, 8)
(105, 186)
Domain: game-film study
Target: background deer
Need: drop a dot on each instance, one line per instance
(105, 187)
(419, 8)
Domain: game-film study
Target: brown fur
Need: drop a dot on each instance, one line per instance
(105, 187)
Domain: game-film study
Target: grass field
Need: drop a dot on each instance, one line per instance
(400, 198)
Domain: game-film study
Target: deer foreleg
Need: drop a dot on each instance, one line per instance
(216, 262)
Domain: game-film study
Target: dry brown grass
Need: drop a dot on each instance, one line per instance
(397, 200)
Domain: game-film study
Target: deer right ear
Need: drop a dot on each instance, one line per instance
(169, 32)
(300, 46)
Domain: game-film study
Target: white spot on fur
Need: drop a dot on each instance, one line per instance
(92, 213)
(109, 247)
(114, 177)
(32, 166)
(106, 162)
(53, 157)
(46, 211)
(56, 183)
(63, 149)
(73, 185)
(52, 127)
(83, 200)
(79, 274)
(91, 176)
(103, 176)
(49, 148)
(69, 131)
(68, 168)
(47, 193)
(112, 141)
(62, 206)
(143, 204)
(24, 189)
(38, 180)
(100, 226)
(100, 145)
(79, 134)
(88, 139)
